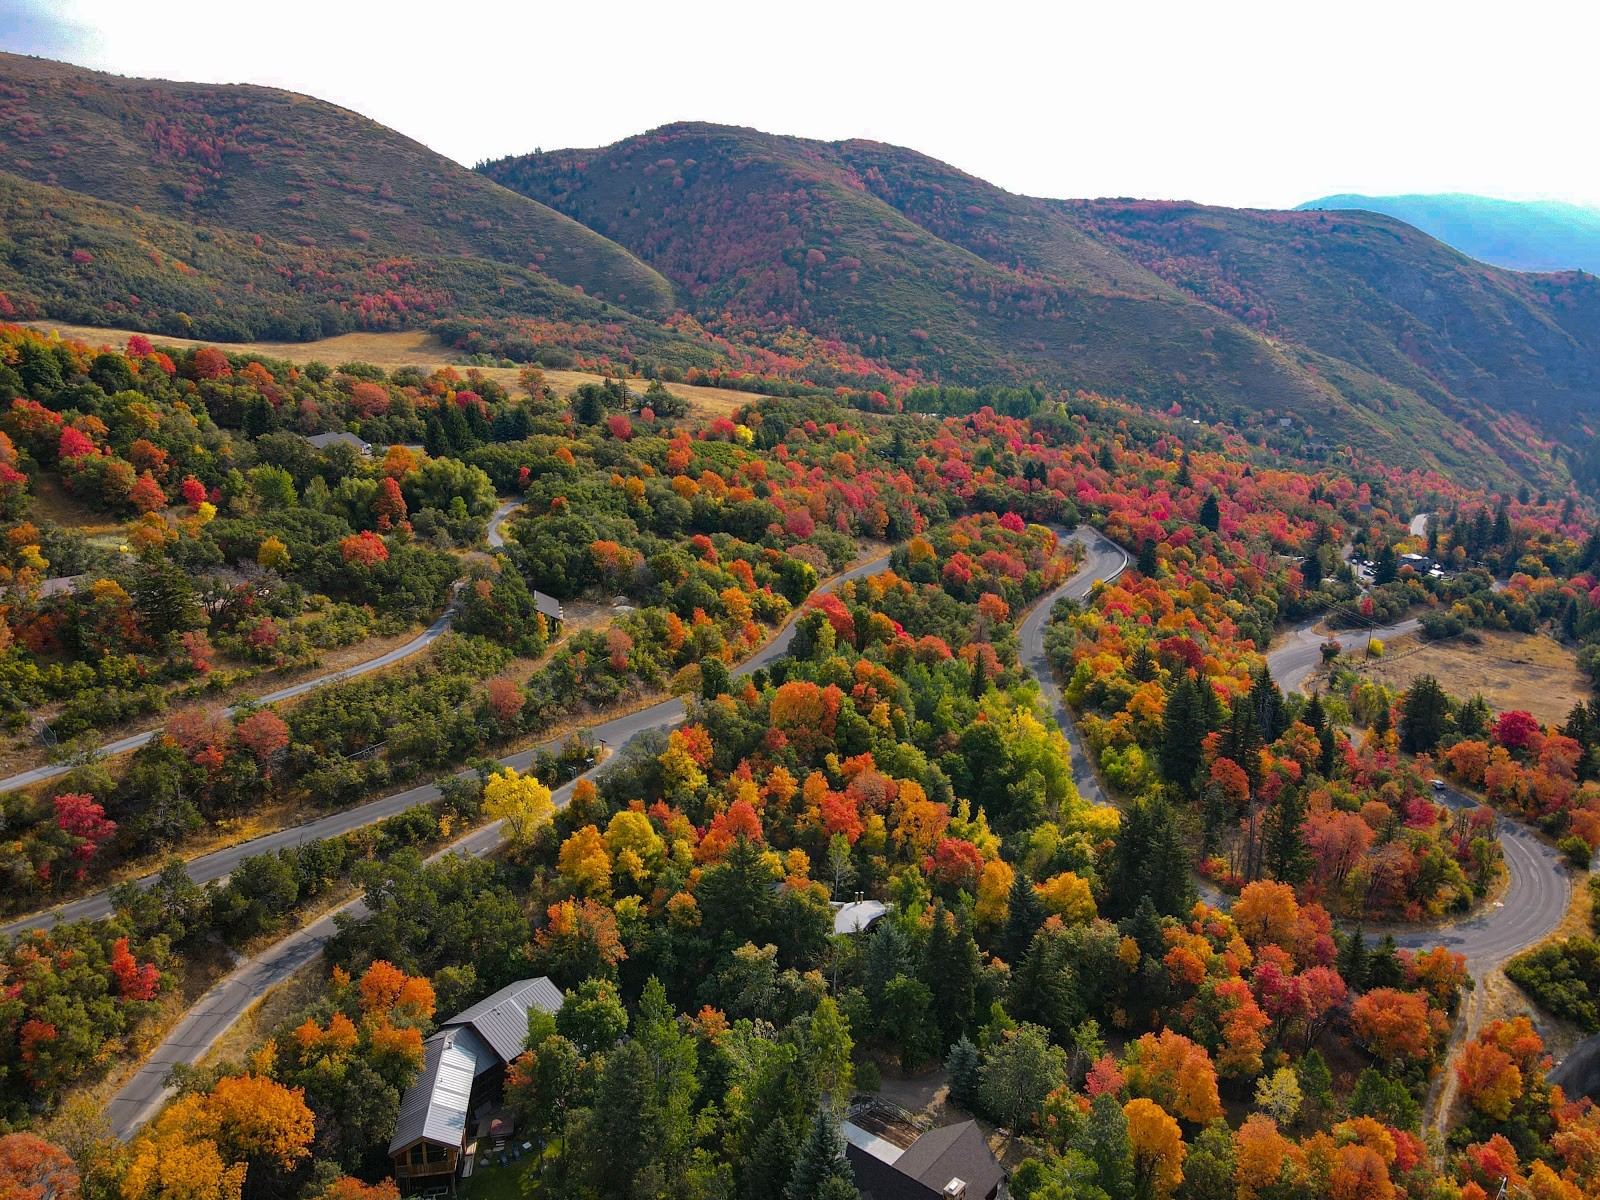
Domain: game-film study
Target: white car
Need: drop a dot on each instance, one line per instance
(1438, 784)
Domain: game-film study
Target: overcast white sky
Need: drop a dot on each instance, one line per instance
(1239, 102)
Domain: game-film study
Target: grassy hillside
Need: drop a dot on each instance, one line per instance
(277, 164)
(1522, 235)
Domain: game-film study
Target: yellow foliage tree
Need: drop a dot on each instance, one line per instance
(521, 802)
(1067, 895)
(584, 862)
(1158, 1149)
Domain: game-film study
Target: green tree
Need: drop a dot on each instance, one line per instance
(962, 1066)
(1183, 732)
(1024, 914)
(820, 1160)
(1211, 513)
(1103, 1139)
(1424, 715)
(1286, 853)
(592, 1017)
(1018, 1074)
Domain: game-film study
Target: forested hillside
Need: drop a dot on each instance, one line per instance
(1357, 329)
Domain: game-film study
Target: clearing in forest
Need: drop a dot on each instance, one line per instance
(1512, 670)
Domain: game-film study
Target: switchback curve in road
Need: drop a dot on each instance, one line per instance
(399, 654)
(1539, 889)
(216, 1012)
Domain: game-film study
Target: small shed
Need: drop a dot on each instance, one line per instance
(550, 609)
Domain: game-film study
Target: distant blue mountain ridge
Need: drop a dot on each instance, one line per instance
(1523, 235)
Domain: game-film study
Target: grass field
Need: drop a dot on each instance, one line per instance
(410, 348)
(1512, 670)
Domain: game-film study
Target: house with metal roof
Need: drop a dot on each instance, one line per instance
(323, 440)
(463, 1072)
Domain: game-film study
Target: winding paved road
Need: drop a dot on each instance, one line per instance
(1540, 887)
(215, 1012)
(399, 654)
(1105, 561)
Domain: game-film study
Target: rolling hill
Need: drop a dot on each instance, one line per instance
(1522, 235)
(1357, 329)
(264, 162)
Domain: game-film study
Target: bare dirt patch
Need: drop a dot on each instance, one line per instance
(1512, 670)
(410, 348)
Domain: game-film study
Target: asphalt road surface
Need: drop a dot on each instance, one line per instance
(1105, 561)
(1300, 652)
(415, 646)
(215, 1012)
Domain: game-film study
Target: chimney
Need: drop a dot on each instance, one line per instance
(956, 1189)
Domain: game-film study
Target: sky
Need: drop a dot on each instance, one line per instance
(1236, 103)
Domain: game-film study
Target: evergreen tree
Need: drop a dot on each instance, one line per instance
(1148, 562)
(1271, 713)
(770, 1162)
(1385, 567)
(1388, 1100)
(1424, 715)
(962, 1067)
(1244, 741)
(1182, 734)
(821, 1158)
(1103, 1139)
(1286, 853)
(1149, 859)
(1023, 917)
(1383, 964)
(1352, 961)
(1316, 1082)
(1473, 718)
(951, 967)
(1311, 571)
(1211, 513)
(1326, 754)
(1314, 715)
(1183, 479)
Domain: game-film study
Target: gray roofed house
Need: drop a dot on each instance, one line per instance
(950, 1163)
(502, 1019)
(323, 440)
(434, 1108)
(463, 1071)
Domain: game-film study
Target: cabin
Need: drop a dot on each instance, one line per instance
(460, 1085)
(953, 1162)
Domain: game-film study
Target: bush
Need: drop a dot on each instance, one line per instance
(1563, 978)
(1375, 649)
(1577, 851)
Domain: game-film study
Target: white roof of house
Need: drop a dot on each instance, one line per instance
(880, 1148)
(857, 915)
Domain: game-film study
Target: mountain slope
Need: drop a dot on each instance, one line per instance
(1521, 235)
(1359, 331)
(761, 233)
(262, 161)
(74, 258)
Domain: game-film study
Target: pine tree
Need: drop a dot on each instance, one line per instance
(1272, 716)
(1024, 916)
(1103, 1139)
(1326, 754)
(1211, 513)
(1424, 715)
(951, 967)
(1311, 571)
(962, 1067)
(1148, 562)
(1314, 715)
(1316, 1082)
(1385, 568)
(1182, 734)
(1287, 856)
(1383, 965)
(1352, 961)
(821, 1158)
